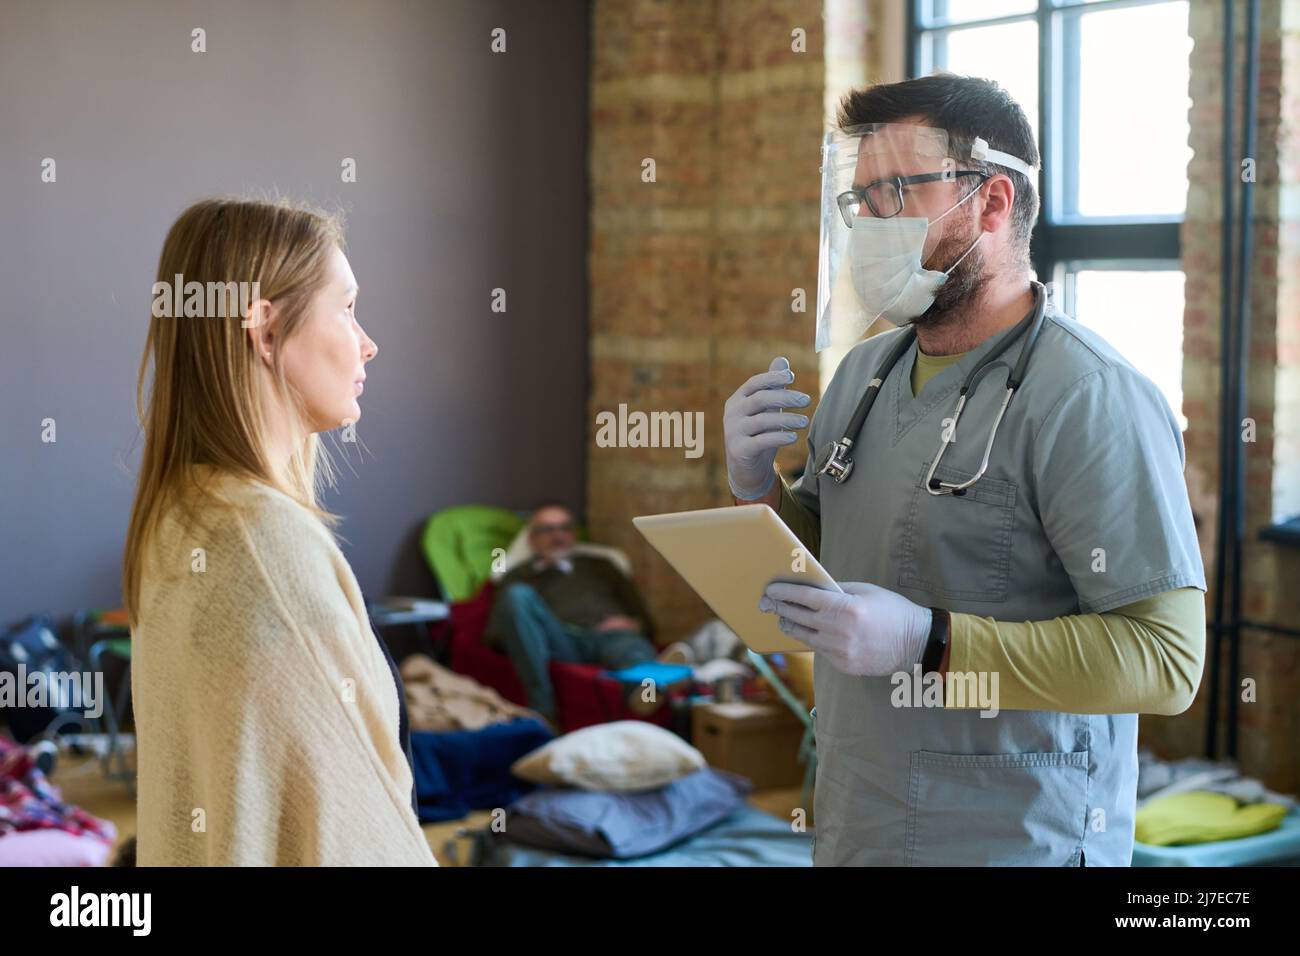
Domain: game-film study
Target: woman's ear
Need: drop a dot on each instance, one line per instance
(258, 321)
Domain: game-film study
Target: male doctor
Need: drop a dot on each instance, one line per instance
(1063, 575)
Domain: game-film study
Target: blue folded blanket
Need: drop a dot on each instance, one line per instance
(748, 838)
(462, 770)
(625, 825)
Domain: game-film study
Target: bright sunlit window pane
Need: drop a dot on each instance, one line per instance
(1133, 104)
(959, 11)
(1141, 315)
(1007, 54)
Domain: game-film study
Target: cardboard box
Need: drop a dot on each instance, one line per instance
(758, 741)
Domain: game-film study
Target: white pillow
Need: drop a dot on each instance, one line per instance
(625, 755)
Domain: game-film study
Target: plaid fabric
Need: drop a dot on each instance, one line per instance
(28, 801)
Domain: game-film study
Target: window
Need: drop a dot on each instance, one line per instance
(1104, 84)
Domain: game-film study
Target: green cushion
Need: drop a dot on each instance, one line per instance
(458, 544)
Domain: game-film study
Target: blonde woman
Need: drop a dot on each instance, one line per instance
(266, 711)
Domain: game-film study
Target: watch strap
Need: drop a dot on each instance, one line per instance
(937, 643)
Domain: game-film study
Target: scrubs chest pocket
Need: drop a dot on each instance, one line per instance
(996, 809)
(959, 548)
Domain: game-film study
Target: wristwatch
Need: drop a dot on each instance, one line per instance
(937, 643)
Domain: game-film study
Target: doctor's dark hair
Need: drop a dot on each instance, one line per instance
(965, 106)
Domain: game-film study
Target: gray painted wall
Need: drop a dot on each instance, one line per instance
(471, 175)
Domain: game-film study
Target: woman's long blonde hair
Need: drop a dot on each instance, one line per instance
(203, 404)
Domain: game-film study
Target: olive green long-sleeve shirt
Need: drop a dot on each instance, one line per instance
(1144, 657)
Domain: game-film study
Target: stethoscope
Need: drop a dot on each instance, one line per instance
(835, 458)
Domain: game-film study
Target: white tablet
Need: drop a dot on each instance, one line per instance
(729, 555)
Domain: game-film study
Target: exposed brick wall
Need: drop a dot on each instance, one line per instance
(691, 279)
(692, 275)
(1269, 728)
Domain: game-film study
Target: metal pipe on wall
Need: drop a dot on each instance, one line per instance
(1225, 389)
(1245, 249)
(1234, 369)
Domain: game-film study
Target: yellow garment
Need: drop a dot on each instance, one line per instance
(1202, 816)
(927, 367)
(266, 713)
(1142, 658)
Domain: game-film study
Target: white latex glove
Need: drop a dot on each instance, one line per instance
(867, 631)
(754, 427)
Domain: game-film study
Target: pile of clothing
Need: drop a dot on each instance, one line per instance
(36, 827)
(440, 699)
(713, 652)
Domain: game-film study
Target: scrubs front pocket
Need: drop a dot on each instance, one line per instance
(1025, 809)
(958, 548)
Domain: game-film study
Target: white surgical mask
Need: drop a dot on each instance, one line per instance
(888, 275)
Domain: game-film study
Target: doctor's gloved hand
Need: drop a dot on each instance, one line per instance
(867, 631)
(754, 427)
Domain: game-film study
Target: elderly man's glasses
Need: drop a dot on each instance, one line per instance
(562, 527)
(884, 197)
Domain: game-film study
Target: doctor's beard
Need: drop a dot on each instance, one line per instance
(965, 285)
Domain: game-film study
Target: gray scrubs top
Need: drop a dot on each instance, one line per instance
(1083, 509)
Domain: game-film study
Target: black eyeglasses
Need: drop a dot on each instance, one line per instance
(884, 197)
(563, 527)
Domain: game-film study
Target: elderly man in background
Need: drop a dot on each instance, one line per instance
(566, 607)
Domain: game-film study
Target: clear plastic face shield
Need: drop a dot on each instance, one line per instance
(891, 229)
